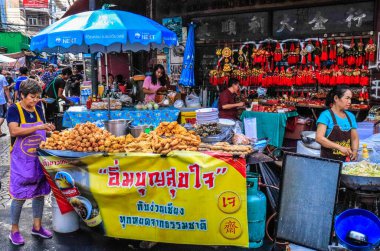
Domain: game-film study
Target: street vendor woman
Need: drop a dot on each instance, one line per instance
(27, 127)
(228, 108)
(336, 131)
(153, 83)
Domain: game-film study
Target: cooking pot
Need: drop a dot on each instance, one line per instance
(137, 130)
(308, 138)
(118, 127)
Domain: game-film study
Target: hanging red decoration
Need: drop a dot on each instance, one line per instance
(351, 53)
(332, 53)
(317, 54)
(364, 76)
(340, 54)
(370, 51)
(324, 55)
(277, 55)
(303, 54)
(309, 56)
(360, 57)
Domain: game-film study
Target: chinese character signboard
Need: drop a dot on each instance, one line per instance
(245, 27)
(184, 198)
(348, 18)
(36, 3)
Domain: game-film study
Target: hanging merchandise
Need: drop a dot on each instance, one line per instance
(360, 54)
(324, 54)
(332, 53)
(277, 55)
(309, 49)
(351, 53)
(317, 54)
(339, 76)
(289, 77)
(364, 77)
(285, 53)
(292, 55)
(333, 75)
(303, 55)
(298, 79)
(355, 78)
(347, 76)
(340, 54)
(370, 51)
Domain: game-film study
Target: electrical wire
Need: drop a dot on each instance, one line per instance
(286, 244)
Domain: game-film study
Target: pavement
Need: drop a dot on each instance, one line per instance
(82, 240)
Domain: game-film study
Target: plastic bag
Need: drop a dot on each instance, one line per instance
(237, 128)
(250, 128)
(192, 100)
(240, 139)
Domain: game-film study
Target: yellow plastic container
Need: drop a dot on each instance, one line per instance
(188, 117)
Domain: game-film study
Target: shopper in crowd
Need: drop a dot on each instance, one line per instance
(111, 80)
(153, 83)
(336, 131)
(28, 128)
(11, 84)
(55, 91)
(5, 100)
(23, 76)
(49, 75)
(74, 83)
(103, 82)
(228, 107)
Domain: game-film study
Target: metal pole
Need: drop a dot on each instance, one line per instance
(94, 66)
(109, 94)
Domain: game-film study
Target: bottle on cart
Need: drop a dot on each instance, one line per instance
(89, 102)
(365, 154)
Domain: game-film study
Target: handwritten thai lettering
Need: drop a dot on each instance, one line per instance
(171, 179)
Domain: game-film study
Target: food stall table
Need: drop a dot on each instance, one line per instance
(270, 125)
(76, 115)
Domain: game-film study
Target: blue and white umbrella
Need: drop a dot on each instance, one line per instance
(102, 30)
(187, 74)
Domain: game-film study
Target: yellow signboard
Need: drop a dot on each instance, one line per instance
(183, 198)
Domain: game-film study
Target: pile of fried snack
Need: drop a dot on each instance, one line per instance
(164, 139)
(224, 147)
(89, 138)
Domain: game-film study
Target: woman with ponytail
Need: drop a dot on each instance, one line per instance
(336, 131)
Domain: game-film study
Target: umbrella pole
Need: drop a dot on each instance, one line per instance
(108, 87)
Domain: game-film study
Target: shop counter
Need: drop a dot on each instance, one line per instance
(270, 125)
(77, 115)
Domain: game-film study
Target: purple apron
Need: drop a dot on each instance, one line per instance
(27, 179)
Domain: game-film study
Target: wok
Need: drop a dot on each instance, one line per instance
(362, 183)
